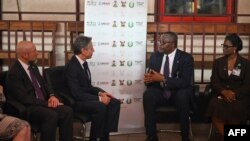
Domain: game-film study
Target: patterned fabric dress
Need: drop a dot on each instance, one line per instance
(10, 126)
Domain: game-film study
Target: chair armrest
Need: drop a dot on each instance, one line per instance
(208, 90)
(14, 108)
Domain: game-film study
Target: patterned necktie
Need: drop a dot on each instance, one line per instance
(86, 70)
(39, 93)
(167, 92)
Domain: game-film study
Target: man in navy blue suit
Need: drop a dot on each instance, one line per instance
(168, 81)
(104, 108)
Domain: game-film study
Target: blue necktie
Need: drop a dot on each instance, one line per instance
(167, 92)
(39, 93)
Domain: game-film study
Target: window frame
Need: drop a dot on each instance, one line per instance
(196, 17)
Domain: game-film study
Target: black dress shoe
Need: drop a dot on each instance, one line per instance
(152, 138)
(92, 139)
(105, 137)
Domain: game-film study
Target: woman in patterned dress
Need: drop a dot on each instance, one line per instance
(13, 128)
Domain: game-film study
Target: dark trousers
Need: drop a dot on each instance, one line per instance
(153, 97)
(49, 118)
(104, 118)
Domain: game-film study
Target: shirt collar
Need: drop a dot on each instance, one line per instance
(172, 54)
(24, 65)
(79, 60)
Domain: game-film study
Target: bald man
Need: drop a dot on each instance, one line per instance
(44, 108)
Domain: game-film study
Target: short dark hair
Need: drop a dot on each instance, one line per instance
(235, 40)
(172, 36)
(81, 42)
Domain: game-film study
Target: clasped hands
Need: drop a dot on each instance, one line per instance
(53, 102)
(228, 95)
(153, 76)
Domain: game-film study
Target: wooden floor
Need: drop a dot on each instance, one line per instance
(200, 132)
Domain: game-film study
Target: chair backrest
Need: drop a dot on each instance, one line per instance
(54, 77)
(3, 76)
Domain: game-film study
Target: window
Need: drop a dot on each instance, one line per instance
(195, 10)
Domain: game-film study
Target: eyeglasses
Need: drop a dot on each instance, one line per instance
(163, 43)
(226, 46)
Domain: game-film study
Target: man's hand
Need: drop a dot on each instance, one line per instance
(105, 97)
(153, 76)
(53, 102)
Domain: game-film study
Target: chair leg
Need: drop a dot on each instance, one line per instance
(210, 132)
(83, 131)
(191, 130)
(35, 136)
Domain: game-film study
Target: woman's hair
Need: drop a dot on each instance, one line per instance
(235, 40)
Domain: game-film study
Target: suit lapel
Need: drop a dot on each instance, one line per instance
(80, 68)
(176, 62)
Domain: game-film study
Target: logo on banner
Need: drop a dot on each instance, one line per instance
(129, 101)
(122, 62)
(140, 4)
(138, 82)
(123, 3)
(102, 83)
(91, 23)
(139, 62)
(114, 44)
(121, 82)
(113, 63)
(102, 63)
(131, 4)
(113, 83)
(130, 24)
(123, 23)
(115, 4)
(122, 43)
(91, 2)
(91, 63)
(139, 23)
(130, 44)
(139, 43)
(114, 24)
(136, 100)
(129, 82)
(129, 63)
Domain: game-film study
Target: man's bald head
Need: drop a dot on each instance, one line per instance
(26, 51)
(24, 47)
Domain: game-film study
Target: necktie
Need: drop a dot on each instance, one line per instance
(167, 92)
(86, 69)
(39, 93)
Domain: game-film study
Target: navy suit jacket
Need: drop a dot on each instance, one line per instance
(182, 70)
(78, 82)
(20, 86)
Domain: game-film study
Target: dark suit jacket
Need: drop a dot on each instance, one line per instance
(20, 86)
(182, 70)
(78, 83)
(239, 84)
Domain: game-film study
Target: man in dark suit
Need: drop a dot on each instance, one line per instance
(26, 85)
(104, 108)
(168, 82)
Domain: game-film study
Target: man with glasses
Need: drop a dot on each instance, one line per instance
(168, 82)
